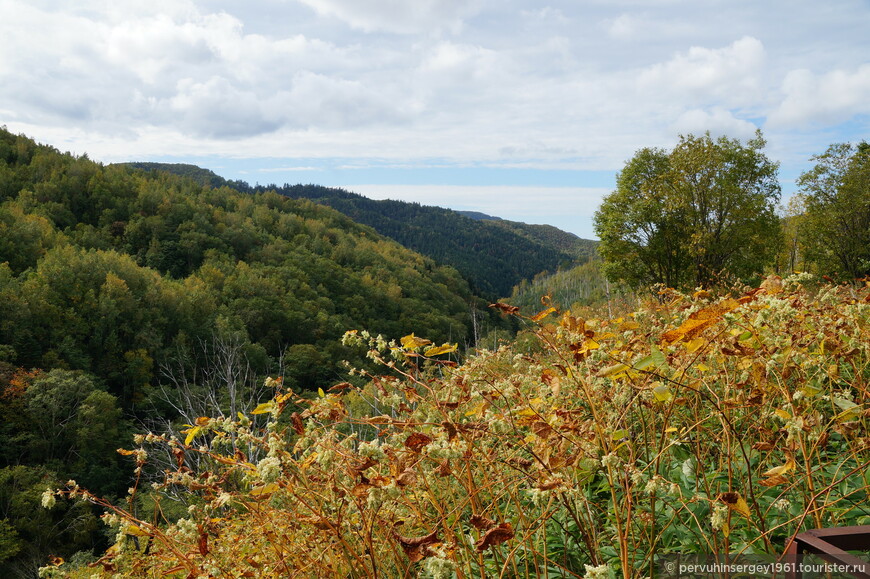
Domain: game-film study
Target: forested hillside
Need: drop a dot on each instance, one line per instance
(492, 254)
(139, 297)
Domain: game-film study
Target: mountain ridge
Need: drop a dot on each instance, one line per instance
(492, 253)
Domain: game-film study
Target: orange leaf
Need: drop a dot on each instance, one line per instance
(698, 321)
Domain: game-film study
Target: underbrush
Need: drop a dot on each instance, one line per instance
(695, 425)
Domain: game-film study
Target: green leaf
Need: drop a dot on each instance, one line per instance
(655, 359)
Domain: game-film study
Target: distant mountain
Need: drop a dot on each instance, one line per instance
(493, 254)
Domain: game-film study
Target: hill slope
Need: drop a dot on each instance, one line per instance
(104, 262)
(492, 254)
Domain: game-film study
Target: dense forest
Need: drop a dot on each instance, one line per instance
(133, 300)
(472, 243)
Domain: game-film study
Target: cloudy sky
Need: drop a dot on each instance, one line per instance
(520, 109)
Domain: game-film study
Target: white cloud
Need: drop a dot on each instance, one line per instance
(731, 74)
(717, 120)
(832, 97)
(399, 16)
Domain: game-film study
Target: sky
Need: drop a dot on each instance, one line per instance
(520, 109)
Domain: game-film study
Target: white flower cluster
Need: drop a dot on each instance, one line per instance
(442, 449)
(269, 469)
(611, 460)
(372, 449)
(719, 516)
(438, 566)
(597, 572)
(48, 499)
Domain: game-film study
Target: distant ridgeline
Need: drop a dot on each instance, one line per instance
(493, 254)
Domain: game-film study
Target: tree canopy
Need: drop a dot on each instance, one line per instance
(688, 217)
(836, 232)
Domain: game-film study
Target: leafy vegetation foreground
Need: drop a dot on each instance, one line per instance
(586, 449)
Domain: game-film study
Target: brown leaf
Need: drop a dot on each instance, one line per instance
(296, 422)
(417, 548)
(482, 523)
(451, 430)
(495, 536)
(542, 429)
(361, 490)
(202, 544)
(408, 477)
(178, 453)
(444, 468)
(550, 484)
(505, 308)
(416, 441)
(773, 481)
(763, 446)
(340, 386)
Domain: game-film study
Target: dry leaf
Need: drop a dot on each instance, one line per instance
(482, 523)
(417, 548)
(495, 536)
(416, 441)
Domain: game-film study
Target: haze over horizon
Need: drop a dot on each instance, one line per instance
(517, 109)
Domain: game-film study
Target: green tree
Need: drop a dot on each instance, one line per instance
(75, 429)
(687, 217)
(836, 231)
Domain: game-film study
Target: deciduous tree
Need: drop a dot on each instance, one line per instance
(837, 225)
(688, 216)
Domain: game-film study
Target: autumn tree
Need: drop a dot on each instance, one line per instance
(686, 217)
(836, 231)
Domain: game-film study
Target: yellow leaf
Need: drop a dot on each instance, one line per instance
(412, 342)
(132, 529)
(703, 367)
(782, 469)
(630, 325)
(589, 345)
(526, 412)
(477, 410)
(617, 370)
(264, 408)
(191, 434)
(670, 429)
(438, 350)
(662, 393)
(694, 345)
(736, 503)
(321, 393)
(782, 414)
(266, 489)
(541, 315)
